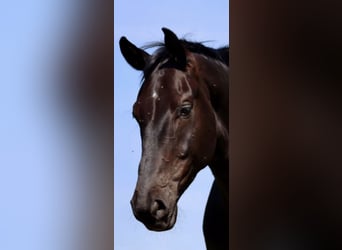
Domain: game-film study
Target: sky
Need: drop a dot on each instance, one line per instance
(141, 23)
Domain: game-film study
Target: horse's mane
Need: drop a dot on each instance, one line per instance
(161, 54)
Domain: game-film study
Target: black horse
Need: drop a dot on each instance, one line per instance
(182, 111)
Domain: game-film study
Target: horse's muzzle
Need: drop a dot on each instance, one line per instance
(155, 215)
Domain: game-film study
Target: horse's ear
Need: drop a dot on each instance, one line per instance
(175, 47)
(135, 57)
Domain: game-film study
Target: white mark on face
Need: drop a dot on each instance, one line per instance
(154, 94)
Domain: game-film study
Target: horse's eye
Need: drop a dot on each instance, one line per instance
(185, 110)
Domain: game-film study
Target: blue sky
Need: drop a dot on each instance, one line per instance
(141, 22)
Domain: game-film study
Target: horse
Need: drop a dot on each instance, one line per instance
(182, 112)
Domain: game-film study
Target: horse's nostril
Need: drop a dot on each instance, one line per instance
(160, 204)
(158, 209)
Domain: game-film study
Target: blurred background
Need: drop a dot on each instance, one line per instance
(56, 125)
(285, 125)
(141, 23)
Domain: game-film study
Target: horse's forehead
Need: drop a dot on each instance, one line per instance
(166, 83)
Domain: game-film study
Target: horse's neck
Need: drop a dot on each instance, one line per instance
(216, 78)
(220, 162)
